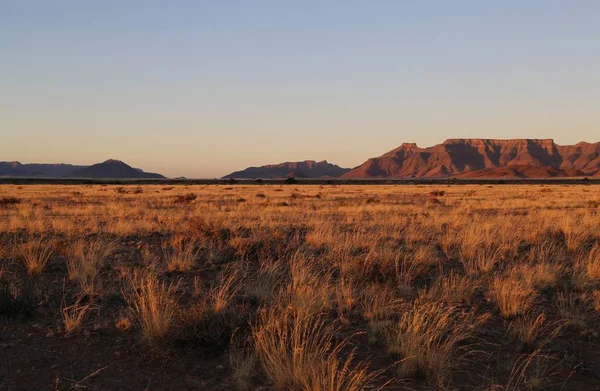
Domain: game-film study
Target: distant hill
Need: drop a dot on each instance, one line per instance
(36, 169)
(112, 169)
(305, 169)
(484, 158)
(108, 169)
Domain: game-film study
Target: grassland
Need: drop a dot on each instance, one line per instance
(288, 287)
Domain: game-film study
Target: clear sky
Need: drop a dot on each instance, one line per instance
(203, 88)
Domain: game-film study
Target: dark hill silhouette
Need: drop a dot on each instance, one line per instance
(107, 169)
(36, 169)
(481, 158)
(305, 169)
(113, 169)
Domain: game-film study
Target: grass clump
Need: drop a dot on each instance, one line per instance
(429, 338)
(512, 296)
(35, 254)
(85, 258)
(154, 305)
(300, 352)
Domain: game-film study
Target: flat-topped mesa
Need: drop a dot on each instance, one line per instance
(488, 141)
(302, 169)
(525, 158)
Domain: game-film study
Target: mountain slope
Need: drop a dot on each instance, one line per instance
(112, 169)
(108, 169)
(477, 158)
(305, 169)
(36, 169)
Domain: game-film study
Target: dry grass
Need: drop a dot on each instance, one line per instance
(223, 294)
(314, 281)
(541, 275)
(84, 259)
(452, 288)
(300, 352)
(180, 254)
(590, 262)
(512, 296)
(532, 330)
(427, 339)
(310, 289)
(35, 254)
(74, 314)
(596, 300)
(480, 260)
(243, 363)
(574, 309)
(153, 302)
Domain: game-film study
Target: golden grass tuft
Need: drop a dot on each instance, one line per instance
(512, 296)
(590, 261)
(35, 254)
(528, 329)
(223, 294)
(574, 309)
(427, 339)
(300, 352)
(153, 302)
(84, 259)
(310, 288)
(452, 288)
(74, 314)
(180, 254)
(480, 260)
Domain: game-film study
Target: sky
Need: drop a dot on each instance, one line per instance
(203, 88)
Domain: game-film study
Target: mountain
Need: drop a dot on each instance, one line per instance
(306, 169)
(113, 169)
(107, 169)
(36, 170)
(484, 158)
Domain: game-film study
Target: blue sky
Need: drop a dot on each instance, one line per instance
(202, 88)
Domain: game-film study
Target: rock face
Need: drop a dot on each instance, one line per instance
(107, 169)
(484, 158)
(305, 169)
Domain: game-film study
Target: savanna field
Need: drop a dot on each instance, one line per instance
(299, 287)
